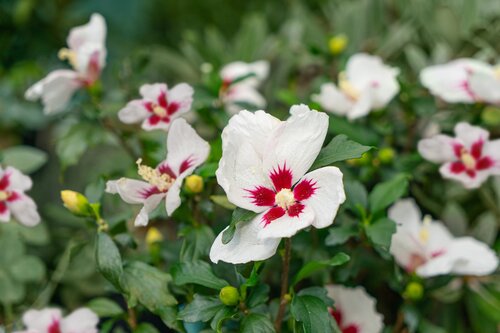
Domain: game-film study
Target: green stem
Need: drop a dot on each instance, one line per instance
(284, 284)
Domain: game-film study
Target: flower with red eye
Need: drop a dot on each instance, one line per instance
(51, 320)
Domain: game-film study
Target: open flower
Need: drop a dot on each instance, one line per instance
(50, 320)
(240, 82)
(427, 247)
(186, 151)
(367, 84)
(263, 169)
(159, 106)
(463, 81)
(468, 158)
(355, 310)
(86, 53)
(13, 201)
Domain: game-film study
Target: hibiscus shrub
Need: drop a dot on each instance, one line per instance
(330, 166)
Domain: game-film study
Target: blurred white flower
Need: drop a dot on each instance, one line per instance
(463, 81)
(13, 201)
(428, 248)
(159, 106)
(367, 84)
(240, 82)
(469, 158)
(86, 54)
(355, 310)
(50, 320)
(186, 151)
(263, 169)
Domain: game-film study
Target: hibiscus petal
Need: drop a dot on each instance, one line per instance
(469, 134)
(406, 214)
(4, 212)
(134, 112)
(130, 190)
(333, 100)
(40, 320)
(243, 94)
(438, 149)
(150, 204)
(287, 226)
(297, 141)
(92, 32)
(472, 257)
(486, 86)
(245, 245)
(470, 180)
(327, 195)
(17, 180)
(82, 320)
(491, 149)
(173, 199)
(55, 90)
(182, 94)
(25, 211)
(152, 91)
(184, 145)
(362, 106)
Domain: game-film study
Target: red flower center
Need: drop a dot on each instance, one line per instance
(54, 327)
(470, 160)
(5, 194)
(162, 110)
(352, 328)
(284, 197)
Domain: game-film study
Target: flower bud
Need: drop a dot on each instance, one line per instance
(229, 295)
(386, 155)
(414, 291)
(153, 236)
(194, 184)
(491, 116)
(75, 202)
(337, 44)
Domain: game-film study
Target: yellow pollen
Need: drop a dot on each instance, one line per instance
(4, 195)
(347, 88)
(468, 160)
(424, 234)
(159, 111)
(162, 181)
(67, 54)
(285, 198)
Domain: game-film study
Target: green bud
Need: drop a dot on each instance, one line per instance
(386, 155)
(491, 116)
(414, 291)
(229, 295)
(76, 203)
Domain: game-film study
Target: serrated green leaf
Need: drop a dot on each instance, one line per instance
(108, 259)
(380, 232)
(256, 323)
(104, 307)
(386, 193)
(197, 272)
(202, 308)
(339, 235)
(314, 266)
(339, 149)
(312, 312)
(197, 242)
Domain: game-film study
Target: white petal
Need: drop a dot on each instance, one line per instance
(469, 134)
(462, 177)
(238, 69)
(328, 196)
(130, 190)
(40, 320)
(5, 215)
(17, 180)
(134, 112)
(245, 245)
(486, 86)
(161, 125)
(404, 246)
(243, 94)
(184, 144)
(88, 53)
(437, 149)
(150, 204)
(492, 149)
(55, 90)
(182, 94)
(296, 143)
(153, 91)
(406, 214)
(362, 106)
(25, 211)
(173, 199)
(82, 320)
(92, 32)
(287, 226)
(357, 308)
(472, 257)
(332, 99)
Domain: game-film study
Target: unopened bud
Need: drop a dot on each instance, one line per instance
(414, 291)
(75, 202)
(194, 184)
(153, 236)
(229, 295)
(337, 44)
(386, 155)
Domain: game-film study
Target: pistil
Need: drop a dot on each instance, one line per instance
(285, 198)
(468, 160)
(347, 88)
(159, 111)
(161, 181)
(4, 195)
(67, 54)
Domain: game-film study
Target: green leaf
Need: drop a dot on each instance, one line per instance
(319, 292)
(202, 308)
(380, 232)
(26, 159)
(197, 272)
(222, 315)
(339, 235)
(197, 242)
(147, 285)
(339, 149)
(355, 195)
(314, 266)
(11, 290)
(486, 228)
(312, 312)
(104, 307)
(168, 315)
(28, 269)
(256, 323)
(239, 215)
(387, 193)
(108, 259)
(146, 328)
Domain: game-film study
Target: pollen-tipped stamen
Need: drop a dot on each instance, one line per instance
(162, 181)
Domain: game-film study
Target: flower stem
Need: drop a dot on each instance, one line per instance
(284, 284)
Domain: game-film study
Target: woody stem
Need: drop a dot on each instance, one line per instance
(284, 284)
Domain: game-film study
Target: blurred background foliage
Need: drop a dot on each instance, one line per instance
(188, 41)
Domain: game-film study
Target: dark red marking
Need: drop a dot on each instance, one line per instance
(186, 164)
(295, 209)
(304, 190)
(476, 150)
(13, 196)
(281, 178)
(54, 327)
(154, 119)
(162, 100)
(262, 196)
(165, 168)
(273, 214)
(4, 182)
(3, 207)
(484, 163)
(457, 167)
(172, 108)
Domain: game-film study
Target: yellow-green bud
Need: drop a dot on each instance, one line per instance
(491, 116)
(153, 236)
(386, 155)
(414, 291)
(337, 44)
(194, 184)
(229, 295)
(75, 202)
